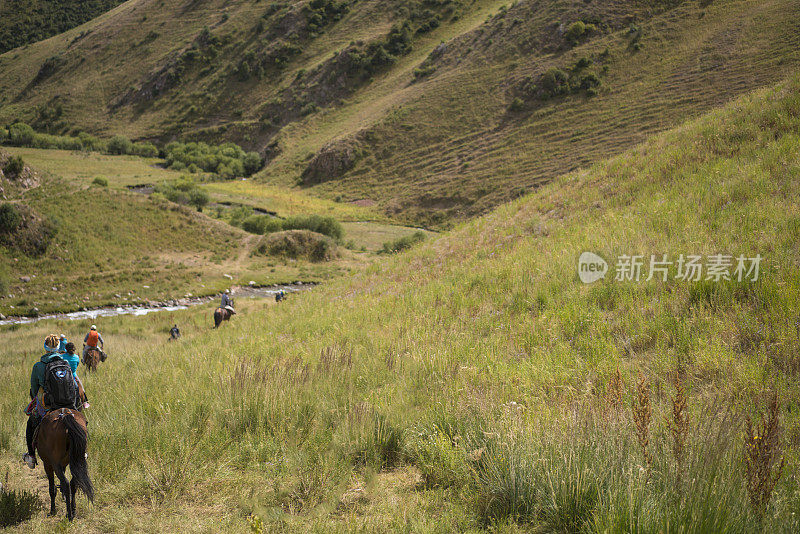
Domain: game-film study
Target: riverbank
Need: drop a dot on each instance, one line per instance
(238, 292)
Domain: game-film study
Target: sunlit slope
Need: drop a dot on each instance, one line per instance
(112, 246)
(453, 125)
(454, 144)
(431, 390)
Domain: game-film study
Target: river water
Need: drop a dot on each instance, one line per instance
(243, 292)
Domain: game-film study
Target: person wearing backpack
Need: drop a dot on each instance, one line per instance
(52, 386)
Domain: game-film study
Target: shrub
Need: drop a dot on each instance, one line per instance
(14, 166)
(120, 145)
(198, 198)
(90, 142)
(23, 229)
(403, 243)
(145, 150)
(299, 244)
(239, 214)
(590, 81)
(102, 182)
(3, 135)
(252, 162)
(20, 134)
(10, 218)
(423, 71)
(555, 82)
(516, 105)
(320, 224)
(227, 160)
(261, 224)
(575, 31)
(17, 506)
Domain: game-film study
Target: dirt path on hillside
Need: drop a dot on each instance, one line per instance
(248, 245)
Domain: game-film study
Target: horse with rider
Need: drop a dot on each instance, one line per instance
(225, 310)
(56, 427)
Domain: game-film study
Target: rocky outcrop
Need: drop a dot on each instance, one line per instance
(332, 161)
(14, 182)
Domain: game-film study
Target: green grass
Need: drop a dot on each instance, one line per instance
(466, 384)
(285, 201)
(109, 242)
(374, 235)
(82, 167)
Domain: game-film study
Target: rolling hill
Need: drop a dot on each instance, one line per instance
(433, 110)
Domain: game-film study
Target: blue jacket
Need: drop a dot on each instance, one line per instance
(37, 375)
(62, 346)
(73, 360)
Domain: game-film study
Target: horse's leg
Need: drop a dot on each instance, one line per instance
(48, 469)
(73, 486)
(65, 491)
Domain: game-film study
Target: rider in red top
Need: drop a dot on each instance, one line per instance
(91, 340)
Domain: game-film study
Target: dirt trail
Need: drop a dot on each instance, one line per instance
(248, 244)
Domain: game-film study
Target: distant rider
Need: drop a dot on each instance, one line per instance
(174, 333)
(226, 301)
(91, 340)
(39, 405)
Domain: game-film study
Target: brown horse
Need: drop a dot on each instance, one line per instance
(92, 358)
(222, 314)
(61, 441)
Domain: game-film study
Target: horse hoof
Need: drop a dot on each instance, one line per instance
(52, 513)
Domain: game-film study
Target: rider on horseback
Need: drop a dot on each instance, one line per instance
(41, 397)
(91, 340)
(73, 360)
(226, 302)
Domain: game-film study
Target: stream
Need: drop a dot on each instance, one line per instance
(243, 292)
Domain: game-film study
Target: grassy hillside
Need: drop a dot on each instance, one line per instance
(108, 245)
(474, 383)
(23, 23)
(104, 240)
(431, 122)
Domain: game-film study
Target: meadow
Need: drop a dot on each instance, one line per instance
(135, 249)
(473, 383)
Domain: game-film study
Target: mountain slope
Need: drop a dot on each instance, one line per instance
(434, 122)
(23, 23)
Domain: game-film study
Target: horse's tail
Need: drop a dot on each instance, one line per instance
(217, 317)
(77, 437)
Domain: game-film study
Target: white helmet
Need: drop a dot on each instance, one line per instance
(94, 327)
